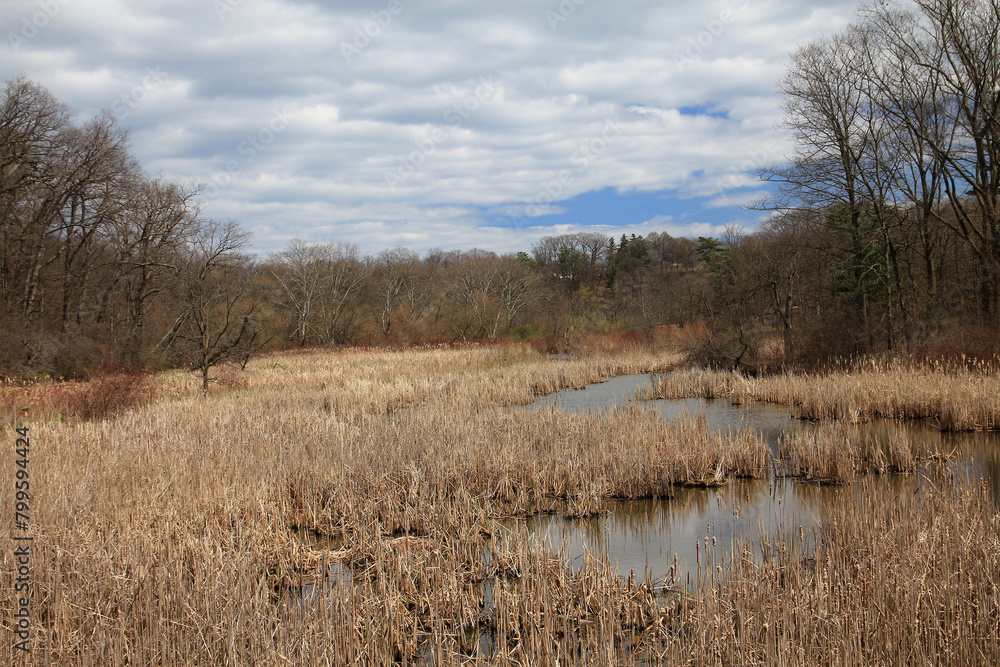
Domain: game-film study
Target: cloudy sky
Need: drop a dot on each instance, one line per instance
(439, 123)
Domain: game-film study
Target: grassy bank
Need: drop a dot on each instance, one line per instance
(955, 398)
(170, 533)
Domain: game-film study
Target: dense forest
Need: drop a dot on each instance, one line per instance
(883, 235)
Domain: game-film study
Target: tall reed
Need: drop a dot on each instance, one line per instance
(836, 452)
(956, 398)
(169, 534)
(911, 579)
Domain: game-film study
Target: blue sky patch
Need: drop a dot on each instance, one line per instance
(609, 207)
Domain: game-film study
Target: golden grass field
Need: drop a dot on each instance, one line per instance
(171, 533)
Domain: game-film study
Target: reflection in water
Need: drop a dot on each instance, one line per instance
(768, 420)
(975, 456)
(600, 397)
(653, 535)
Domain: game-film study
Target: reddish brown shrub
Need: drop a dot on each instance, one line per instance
(113, 392)
(612, 342)
(101, 396)
(967, 347)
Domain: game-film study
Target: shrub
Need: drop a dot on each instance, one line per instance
(114, 392)
(101, 396)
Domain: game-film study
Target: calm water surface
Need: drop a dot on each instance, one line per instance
(672, 539)
(705, 524)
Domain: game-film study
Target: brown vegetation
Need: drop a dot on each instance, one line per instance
(908, 579)
(834, 453)
(170, 534)
(955, 397)
(101, 396)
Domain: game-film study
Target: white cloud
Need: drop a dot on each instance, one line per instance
(736, 199)
(352, 122)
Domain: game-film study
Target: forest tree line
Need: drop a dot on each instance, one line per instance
(883, 236)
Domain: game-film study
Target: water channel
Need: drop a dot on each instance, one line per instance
(654, 535)
(671, 538)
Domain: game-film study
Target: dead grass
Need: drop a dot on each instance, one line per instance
(908, 580)
(168, 534)
(836, 452)
(956, 398)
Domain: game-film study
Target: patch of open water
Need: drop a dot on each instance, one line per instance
(706, 524)
(671, 539)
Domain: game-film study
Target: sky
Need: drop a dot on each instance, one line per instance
(435, 124)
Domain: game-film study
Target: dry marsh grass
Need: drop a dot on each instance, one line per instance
(957, 398)
(384, 380)
(169, 534)
(908, 580)
(836, 452)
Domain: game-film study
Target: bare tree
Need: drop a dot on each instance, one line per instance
(914, 106)
(33, 128)
(100, 164)
(158, 221)
(516, 289)
(487, 293)
(87, 243)
(318, 283)
(392, 271)
(946, 54)
(301, 271)
(347, 275)
(218, 320)
(826, 111)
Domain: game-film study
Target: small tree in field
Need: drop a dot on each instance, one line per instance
(218, 322)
